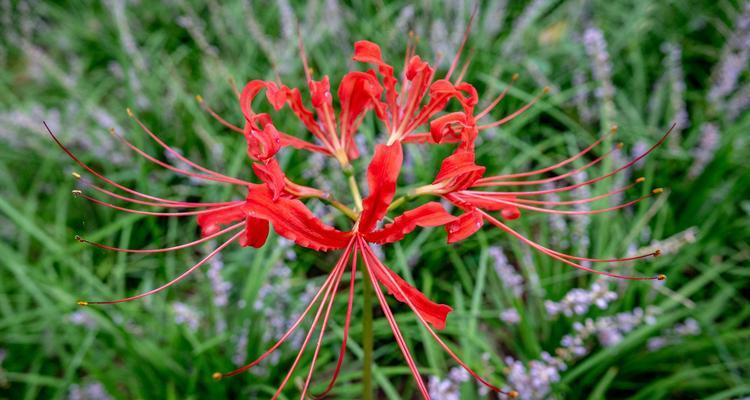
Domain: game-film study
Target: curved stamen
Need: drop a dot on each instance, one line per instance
(590, 181)
(347, 322)
(216, 116)
(548, 252)
(162, 250)
(322, 332)
(173, 281)
(285, 336)
(467, 31)
(392, 322)
(329, 297)
(78, 193)
(515, 113)
(171, 204)
(490, 196)
(576, 212)
(498, 99)
(211, 177)
(100, 176)
(437, 338)
(561, 176)
(551, 167)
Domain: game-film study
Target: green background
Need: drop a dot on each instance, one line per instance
(78, 65)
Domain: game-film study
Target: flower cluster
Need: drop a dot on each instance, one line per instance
(415, 107)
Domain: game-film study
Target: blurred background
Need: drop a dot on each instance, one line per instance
(525, 320)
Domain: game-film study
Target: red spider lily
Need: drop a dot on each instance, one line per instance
(278, 202)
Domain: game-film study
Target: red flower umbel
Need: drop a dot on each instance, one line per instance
(415, 101)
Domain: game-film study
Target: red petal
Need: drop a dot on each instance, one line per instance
(256, 233)
(466, 225)
(382, 175)
(432, 312)
(358, 91)
(211, 222)
(369, 52)
(272, 175)
(443, 129)
(458, 172)
(427, 215)
(292, 220)
(320, 92)
(262, 144)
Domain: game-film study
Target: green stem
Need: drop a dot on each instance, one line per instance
(367, 337)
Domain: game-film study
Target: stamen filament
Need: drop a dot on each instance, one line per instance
(173, 281)
(165, 249)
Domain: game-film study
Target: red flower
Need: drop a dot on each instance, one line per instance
(278, 202)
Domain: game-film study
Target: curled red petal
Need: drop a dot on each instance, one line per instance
(358, 92)
(272, 175)
(464, 226)
(369, 52)
(458, 171)
(262, 144)
(446, 128)
(292, 220)
(427, 215)
(382, 175)
(320, 92)
(430, 311)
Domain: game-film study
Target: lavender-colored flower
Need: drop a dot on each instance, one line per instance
(510, 316)
(508, 276)
(89, 391)
(534, 381)
(671, 244)
(240, 353)
(734, 60)
(82, 318)
(219, 286)
(186, 315)
(601, 67)
(704, 152)
(448, 388)
(578, 301)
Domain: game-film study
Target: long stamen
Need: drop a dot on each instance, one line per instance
(465, 67)
(498, 99)
(515, 113)
(511, 394)
(561, 176)
(165, 165)
(173, 281)
(170, 204)
(78, 193)
(320, 335)
(347, 322)
(577, 212)
(177, 154)
(324, 287)
(546, 251)
(330, 292)
(454, 63)
(594, 180)
(98, 175)
(567, 161)
(491, 196)
(216, 116)
(392, 322)
(162, 250)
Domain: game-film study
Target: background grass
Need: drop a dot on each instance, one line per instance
(77, 65)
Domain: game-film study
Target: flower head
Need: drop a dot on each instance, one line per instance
(403, 105)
